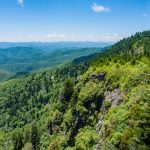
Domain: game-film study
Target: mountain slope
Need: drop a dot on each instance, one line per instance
(19, 60)
(100, 103)
(52, 46)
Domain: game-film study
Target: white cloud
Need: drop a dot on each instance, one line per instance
(145, 15)
(111, 38)
(50, 36)
(64, 37)
(55, 37)
(21, 2)
(99, 8)
(102, 38)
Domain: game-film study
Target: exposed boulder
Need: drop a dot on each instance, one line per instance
(52, 128)
(77, 79)
(100, 76)
(92, 76)
(99, 125)
(138, 50)
(112, 98)
(115, 97)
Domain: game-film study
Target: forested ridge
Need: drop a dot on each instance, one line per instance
(18, 61)
(100, 102)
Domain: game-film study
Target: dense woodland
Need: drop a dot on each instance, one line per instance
(17, 61)
(100, 102)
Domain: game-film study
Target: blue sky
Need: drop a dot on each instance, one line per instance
(72, 20)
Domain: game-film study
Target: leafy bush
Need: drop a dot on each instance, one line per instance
(86, 139)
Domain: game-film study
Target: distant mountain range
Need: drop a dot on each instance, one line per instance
(96, 102)
(28, 57)
(51, 46)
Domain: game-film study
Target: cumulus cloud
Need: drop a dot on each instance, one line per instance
(99, 8)
(102, 38)
(65, 37)
(20, 2)
(111, 38)
(50, 36)
(145, 15)
(55, 37)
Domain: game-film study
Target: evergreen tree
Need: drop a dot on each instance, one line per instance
(18, 141)
(35, 138)
(68, 89)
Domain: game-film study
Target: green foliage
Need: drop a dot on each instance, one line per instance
(18, 140)
(35, 137)
(67, 104)
(54, 146)
(127, 126)
(27, 146)
(68, 89)
(19, 61)
(86, 139)
(107, 104)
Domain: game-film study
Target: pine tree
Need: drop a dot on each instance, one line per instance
(18, 140)
(35, 138)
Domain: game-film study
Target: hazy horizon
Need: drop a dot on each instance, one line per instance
(75, 20)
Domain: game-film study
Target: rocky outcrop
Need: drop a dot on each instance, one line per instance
(138, 50)
(52, 128)
(77, 79)
(100, 76)
(115, 97)
(112, 98)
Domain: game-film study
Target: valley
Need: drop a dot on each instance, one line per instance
(74, 74)
(94, 102)
(23, 60)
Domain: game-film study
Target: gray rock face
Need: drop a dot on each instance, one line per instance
(77, 79)
(99, 125)
(100, 76)
(52, 128)
(114, 98)
(138, 50)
